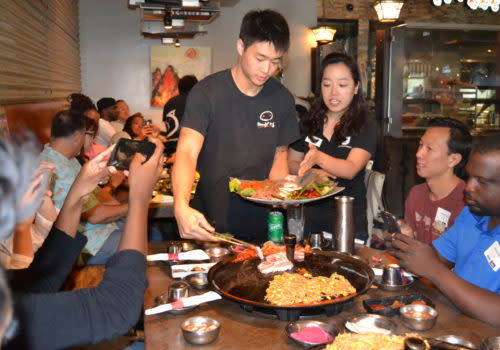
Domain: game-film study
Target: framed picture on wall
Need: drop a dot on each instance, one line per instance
(169, 64)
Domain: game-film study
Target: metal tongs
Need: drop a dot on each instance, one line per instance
(233, 240)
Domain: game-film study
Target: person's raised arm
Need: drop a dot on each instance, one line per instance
(92, 173)
(294, 159)
(192, 223)
(425, 261)
(343, 168)
(142, 179)
(279, 169)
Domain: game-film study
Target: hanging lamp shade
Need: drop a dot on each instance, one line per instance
(323, 34)
(388, 10)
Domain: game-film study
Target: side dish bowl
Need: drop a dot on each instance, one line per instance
(200, 337)
(418, 317)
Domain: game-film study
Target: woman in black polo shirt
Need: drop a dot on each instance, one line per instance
(345, 138)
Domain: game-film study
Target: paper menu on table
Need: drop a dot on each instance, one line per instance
(183, 270)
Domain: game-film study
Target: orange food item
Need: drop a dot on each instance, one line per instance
(267, 249)
(417, 314)
(419, 302)
(201, 327)
(397, 304)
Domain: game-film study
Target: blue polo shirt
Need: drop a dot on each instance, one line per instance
(465, 243)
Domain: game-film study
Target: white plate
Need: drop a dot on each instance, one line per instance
(292, 201)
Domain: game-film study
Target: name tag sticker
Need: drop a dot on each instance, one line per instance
(442, 216)
(316, 141)
(492, 254)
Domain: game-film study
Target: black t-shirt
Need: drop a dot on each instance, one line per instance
(172, 116)
(320, 215)
(241, 135)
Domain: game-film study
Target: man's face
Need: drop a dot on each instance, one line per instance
(482, 191)
(259, 61)
(122, 110)
(433, 158)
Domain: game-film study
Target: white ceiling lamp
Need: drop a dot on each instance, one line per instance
(167, 20)
(494, 5)
(177, 42)
(167, 41)
(388, 10)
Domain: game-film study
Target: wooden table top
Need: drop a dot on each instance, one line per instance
(255, 330)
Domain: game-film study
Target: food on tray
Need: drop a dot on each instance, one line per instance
(200, 327)
(276, 262)
(287, 189)
(419, 302)
(293, 289)
(198, 268)
(369, 341)
(312, 335)
(270, 248)
(397, 304)
(417, 314)
(377, 307)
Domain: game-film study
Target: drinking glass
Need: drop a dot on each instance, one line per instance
(295, 221)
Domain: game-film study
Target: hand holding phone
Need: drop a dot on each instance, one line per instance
(125, 150)
(390, 223)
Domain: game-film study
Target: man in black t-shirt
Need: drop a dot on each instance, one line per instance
(237, 123)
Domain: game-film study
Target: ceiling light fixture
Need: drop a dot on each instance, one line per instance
(388, 10)
(474, 4)
(177, 43)
(167, 20)
(323, 34)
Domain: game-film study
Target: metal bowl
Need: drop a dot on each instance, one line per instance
(217, 253)
(418, 323)
(395, 287)
(200, 337)
(189, 245)
(297, 326)
(197, 280)
(456, 340)
(491, 343)
(368, 320)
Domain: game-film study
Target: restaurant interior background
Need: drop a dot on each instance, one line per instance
(96, 47)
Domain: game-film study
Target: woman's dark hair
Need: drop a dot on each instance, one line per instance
(66, 123)
(356, 116)
(128, 124)
(460, 140)
(265, 26)
(81, 103)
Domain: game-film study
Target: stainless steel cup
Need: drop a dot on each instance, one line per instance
(316, 240)
(344, 225)
(391, 275)
(178, 290)
(175, 249)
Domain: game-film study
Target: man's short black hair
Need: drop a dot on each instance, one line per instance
(186, 83)
(66, 123)
(460, 140)
(265, 26)
(487, 144)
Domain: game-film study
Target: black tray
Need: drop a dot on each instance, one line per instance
(387, 302)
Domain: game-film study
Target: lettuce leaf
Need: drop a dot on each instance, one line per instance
(247, 192)
(234, 185)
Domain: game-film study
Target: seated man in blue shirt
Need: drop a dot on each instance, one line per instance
(471, 245)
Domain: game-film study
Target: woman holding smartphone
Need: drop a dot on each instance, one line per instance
(338, 139)
(136, 128)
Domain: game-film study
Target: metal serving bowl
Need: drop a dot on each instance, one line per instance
(297, 326)
(217, 253)
(456, 340)
(197, 280)
(200, 337)
(419, 324)
(491, 343)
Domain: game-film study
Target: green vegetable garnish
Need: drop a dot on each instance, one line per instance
(247, 192)
(234, 185)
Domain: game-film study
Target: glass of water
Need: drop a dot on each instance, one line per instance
(295, 221)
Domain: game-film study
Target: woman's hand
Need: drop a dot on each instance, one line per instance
(310, 160)
(151, 130)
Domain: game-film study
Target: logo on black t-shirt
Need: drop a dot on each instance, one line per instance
(265, 120)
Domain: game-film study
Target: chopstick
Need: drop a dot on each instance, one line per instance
(233, 240)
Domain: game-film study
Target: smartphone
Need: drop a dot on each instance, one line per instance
(148, 122)
(126, 149)
(390, 222)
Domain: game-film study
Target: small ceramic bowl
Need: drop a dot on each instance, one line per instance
(297, 326)
(197, 280)
(194, 330)
(217, 253)
(418, 317)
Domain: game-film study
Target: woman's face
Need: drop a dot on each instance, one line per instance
(338, 89)
(89, 140)
(137, 125)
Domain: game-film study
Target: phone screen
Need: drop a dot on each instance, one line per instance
(125, 151)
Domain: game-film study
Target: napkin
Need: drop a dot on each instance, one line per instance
(186, 302)
(196, 254)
